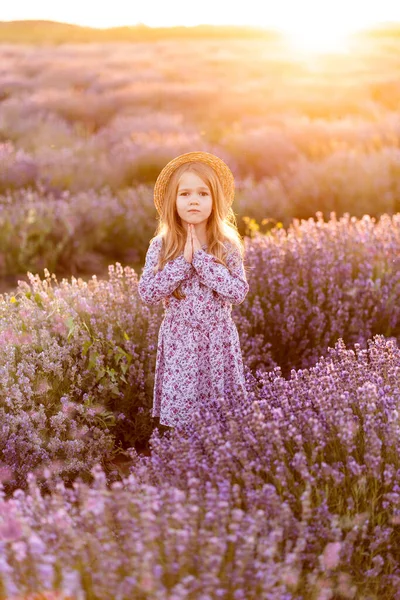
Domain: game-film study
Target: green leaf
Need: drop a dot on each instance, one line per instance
(86, 346)
(92, 359)
(71, 326)
(38, 299)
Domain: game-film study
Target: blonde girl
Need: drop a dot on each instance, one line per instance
(194, 265)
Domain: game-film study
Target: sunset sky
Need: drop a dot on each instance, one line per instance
(287, 14)
(313, 22)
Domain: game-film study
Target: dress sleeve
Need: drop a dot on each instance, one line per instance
(229, 283)
(153, 287)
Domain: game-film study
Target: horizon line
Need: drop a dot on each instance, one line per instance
(271, 28)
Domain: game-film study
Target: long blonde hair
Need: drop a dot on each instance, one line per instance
(221, 224)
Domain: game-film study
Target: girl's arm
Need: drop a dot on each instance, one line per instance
(153, 287)
(230, 284)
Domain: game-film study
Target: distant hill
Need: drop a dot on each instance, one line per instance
(53, 32)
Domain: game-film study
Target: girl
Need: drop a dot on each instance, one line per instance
(194, 264)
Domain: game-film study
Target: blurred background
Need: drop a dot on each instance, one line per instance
(300, 99)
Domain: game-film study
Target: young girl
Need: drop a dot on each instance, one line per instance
(194, 264)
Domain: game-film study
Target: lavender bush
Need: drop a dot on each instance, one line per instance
(316, 282)
(72, 233)
(291, 493)
(74, 373)
(17, 168)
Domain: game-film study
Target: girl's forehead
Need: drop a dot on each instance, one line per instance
(190, 178)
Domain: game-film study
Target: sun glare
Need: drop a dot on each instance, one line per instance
(314, 39)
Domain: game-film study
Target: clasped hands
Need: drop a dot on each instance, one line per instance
(192, 243)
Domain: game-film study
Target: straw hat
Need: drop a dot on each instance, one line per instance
(223, 171)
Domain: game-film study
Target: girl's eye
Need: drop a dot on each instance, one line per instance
(183, 193)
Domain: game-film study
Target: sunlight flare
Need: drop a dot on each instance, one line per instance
(318, 38)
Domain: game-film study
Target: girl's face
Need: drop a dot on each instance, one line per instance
(193, 193)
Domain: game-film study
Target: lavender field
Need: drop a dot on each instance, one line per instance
(292, 493)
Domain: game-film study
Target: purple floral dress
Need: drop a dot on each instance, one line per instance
(198, 351)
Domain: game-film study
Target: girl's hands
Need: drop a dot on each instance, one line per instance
(188, 249)
(195, 239)
(192, 243)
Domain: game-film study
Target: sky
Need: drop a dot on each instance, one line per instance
(290, 15)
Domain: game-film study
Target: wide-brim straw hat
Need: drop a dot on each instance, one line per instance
(224, 173)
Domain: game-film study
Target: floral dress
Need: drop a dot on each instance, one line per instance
(198, 350)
